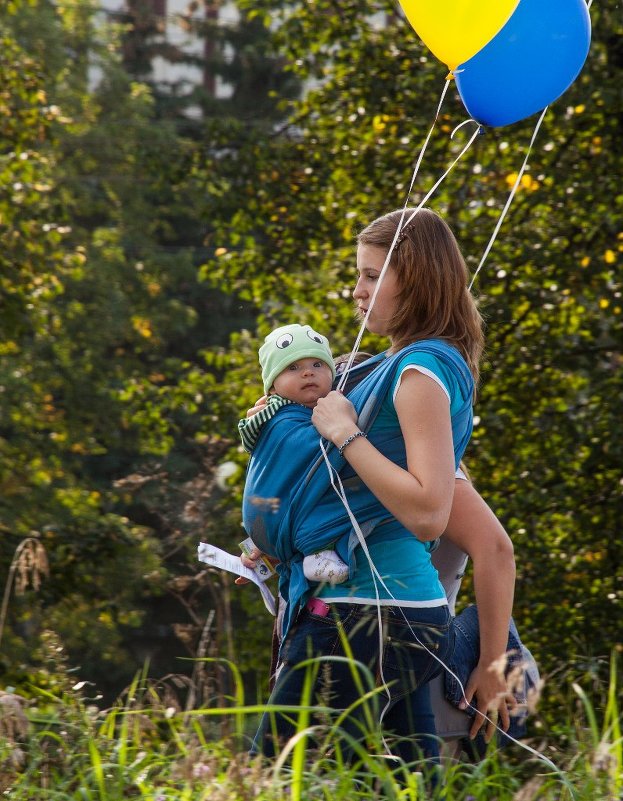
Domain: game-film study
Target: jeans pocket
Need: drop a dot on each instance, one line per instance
(413, 655)
(314, 636)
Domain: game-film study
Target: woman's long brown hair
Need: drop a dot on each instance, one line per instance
(433, 299)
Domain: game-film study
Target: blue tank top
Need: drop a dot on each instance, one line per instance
(400, 558)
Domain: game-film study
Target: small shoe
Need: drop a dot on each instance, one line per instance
(325, 566)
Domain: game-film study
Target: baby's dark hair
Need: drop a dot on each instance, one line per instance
(342, 360)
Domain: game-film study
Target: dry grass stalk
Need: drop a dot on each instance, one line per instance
(28, 567)
(31, 565)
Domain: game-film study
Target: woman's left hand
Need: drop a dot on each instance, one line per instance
(335, 417)
(488, 687)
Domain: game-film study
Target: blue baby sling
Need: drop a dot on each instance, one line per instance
(289, 508)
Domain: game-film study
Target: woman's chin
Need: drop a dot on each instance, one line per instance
(375, 327)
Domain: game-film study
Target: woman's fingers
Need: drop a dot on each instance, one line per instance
(487, 692)
(250, 561)
(496, 716)
(333, 415)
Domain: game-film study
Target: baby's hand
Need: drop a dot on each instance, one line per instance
(250, 561)
(259, 405)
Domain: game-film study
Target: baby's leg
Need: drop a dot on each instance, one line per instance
(325, 566)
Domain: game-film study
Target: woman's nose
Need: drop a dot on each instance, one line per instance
(358, 291)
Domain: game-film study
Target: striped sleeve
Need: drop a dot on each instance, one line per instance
(250, 428)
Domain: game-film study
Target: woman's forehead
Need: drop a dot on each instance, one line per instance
(370, 256)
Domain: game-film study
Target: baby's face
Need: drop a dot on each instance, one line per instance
(304, 381)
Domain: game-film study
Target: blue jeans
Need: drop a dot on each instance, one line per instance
(520, 666)
(408, 722)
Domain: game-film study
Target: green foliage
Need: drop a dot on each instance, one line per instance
(55, 742)
(104, 385)
(144, 254)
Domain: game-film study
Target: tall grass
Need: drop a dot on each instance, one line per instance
(60, 746)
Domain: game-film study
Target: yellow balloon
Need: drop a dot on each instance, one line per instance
(455, 30)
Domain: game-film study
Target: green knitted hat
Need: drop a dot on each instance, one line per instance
(288, 344)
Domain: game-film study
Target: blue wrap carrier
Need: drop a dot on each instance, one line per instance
(289, 508)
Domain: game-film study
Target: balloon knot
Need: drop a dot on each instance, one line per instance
(482, 130)
(450, 76)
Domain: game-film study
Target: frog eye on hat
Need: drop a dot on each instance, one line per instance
(314, 336)
(284, 340)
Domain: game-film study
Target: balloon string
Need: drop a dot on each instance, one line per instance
(402, 224)
(510, 198)
(376, 577)
(416, 169)
(340, 490)
(426, 141)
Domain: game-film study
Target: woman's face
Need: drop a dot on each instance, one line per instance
(370, 260)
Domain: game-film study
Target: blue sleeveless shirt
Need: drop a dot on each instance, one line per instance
(400, 558)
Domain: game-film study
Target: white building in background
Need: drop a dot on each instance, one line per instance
(184, 76)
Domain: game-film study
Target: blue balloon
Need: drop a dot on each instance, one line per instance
(534, 58)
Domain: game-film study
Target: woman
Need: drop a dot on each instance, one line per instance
(475, 533)
(405, 465)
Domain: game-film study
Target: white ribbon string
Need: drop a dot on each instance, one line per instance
(402, 225)
(510, 197)
(341, 492)
(416, 170)
(376, 577)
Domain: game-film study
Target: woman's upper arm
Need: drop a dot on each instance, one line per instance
(424, 415)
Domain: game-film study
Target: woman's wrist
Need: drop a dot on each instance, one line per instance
(339, 433)
(350, 439)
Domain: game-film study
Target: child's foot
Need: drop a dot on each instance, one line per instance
(325, 566)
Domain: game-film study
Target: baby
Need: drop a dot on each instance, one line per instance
(297, 367)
